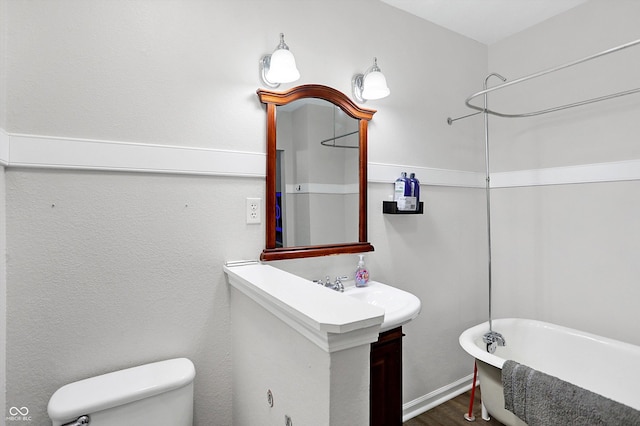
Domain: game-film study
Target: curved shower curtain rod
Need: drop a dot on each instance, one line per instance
(335, 145)
(539, 74)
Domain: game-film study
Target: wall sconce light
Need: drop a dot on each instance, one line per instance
(279, 67)
(370, 85)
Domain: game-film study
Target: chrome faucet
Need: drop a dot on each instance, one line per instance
(327, 282)
(493, 339)
(337, 286)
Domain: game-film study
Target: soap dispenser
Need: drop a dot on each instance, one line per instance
(362, 275)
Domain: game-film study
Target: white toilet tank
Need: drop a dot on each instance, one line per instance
(159, 394)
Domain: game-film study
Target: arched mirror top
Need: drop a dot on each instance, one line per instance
(317, 91)
(321, 213)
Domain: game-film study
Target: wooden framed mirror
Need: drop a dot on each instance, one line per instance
(316, 187)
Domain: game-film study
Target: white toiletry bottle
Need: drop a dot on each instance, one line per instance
(362, 275)
(402, 191)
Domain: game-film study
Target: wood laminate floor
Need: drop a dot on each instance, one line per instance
(452, 412)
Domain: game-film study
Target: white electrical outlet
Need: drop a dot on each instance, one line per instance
(254, 210)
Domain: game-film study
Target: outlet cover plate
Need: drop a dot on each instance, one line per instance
(254, 210)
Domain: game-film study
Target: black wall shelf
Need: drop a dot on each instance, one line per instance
(391, 207)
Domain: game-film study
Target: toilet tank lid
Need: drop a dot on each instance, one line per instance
(120, 387)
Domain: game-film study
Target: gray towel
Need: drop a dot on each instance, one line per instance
(542, 400)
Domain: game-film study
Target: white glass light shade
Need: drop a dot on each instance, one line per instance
(282, 67)
(374, 86)
(370, 85)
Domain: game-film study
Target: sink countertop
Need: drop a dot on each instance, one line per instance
(325, 316)
(400, 306)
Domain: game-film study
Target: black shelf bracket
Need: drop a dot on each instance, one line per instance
(391, 207)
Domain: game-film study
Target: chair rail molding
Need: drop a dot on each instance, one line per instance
(18, 150)
(36, 151)
(4, 148)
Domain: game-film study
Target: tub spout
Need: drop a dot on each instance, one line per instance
(493, 339)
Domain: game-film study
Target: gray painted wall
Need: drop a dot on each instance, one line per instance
(569, 253)
(3, 238)
(107, 270)
(3, 293)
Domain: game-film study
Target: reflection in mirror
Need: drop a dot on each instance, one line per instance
(317, 183)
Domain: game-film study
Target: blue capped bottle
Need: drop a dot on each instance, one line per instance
(415, 189)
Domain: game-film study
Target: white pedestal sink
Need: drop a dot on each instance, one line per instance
(307, 345)
(399, 306)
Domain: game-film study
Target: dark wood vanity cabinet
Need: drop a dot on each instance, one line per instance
(385, 402)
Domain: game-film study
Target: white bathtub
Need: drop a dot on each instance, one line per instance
(605, 366)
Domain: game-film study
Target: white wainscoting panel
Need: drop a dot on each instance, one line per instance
(584, 173)
(4, 148)
(48, 152)
(382, 173)
(18, 150)
(322, 188)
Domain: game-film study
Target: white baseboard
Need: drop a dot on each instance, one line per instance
(419, 405)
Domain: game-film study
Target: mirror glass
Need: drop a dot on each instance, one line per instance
(317, 188)
(316, 180)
